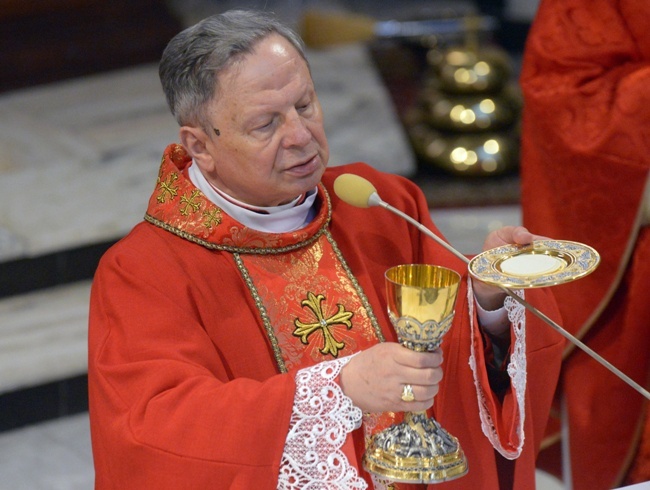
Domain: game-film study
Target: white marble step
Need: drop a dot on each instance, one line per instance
(79, 159)
(43, 336)
(54, 455)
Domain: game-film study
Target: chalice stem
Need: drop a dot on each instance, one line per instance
(421, 302)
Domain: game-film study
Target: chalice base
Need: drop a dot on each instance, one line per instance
(418, 450)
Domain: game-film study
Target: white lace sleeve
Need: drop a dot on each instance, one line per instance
(516, 371)
(321, 420)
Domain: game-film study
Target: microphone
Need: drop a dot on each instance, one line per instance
(359, 192)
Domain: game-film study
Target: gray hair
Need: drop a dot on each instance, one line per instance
(193, 59)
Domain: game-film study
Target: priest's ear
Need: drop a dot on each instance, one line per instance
(198, 144)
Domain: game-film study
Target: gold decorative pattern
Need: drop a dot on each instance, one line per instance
(190, 203)
(357, 287)
(540, 264)
(277, 351)
(212, 217)
(195, 218)
(167, 188)
(231, 248)
(278, 341)
(305, 330)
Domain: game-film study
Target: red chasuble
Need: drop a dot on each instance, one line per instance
(198, 326)
(586, 156)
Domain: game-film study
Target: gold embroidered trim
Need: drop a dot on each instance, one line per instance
(230, 248)
(167, 188)
(277, 352)
(357, 286)
(246, 250)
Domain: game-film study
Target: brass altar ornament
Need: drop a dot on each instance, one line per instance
(471, 69)
(421, 300)
(466, 121)
(480, 155)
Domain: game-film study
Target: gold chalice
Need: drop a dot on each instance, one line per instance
(421, 301)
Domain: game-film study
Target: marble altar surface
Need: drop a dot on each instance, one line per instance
(78, 159)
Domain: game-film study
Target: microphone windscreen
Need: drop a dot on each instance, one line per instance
(354, 190)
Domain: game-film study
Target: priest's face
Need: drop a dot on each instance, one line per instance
(271, 145)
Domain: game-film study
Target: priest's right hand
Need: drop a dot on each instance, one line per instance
(375, 378)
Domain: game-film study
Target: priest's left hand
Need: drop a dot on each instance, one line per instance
(491, 297)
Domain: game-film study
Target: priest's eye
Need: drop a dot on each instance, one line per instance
(264, 125)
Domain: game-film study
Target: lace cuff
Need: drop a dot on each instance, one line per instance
(516, 371)
(321, 420)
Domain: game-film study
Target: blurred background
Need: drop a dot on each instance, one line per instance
(425, 89)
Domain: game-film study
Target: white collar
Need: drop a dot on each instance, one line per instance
(273, 219)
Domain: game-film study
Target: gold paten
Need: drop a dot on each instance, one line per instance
(543, 263)
(421, 301)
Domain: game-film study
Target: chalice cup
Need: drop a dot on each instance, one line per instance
(421, 301)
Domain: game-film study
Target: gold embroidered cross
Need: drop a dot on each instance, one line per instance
(190, 202)
(212, 218)
(167, 188)
(304, 330)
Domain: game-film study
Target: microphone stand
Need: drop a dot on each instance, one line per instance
(375, 200)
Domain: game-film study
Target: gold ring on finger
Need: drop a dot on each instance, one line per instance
(407, 393)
